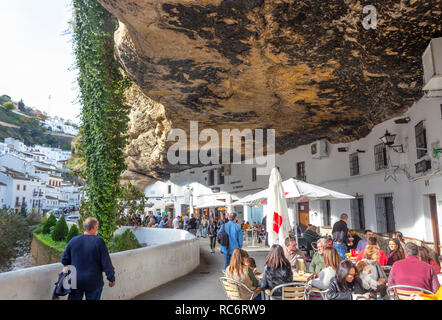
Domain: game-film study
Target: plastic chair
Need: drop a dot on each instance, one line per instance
(398, 293)
(232, 289)
(290, 291)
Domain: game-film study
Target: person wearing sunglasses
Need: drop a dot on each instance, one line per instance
(347, 285)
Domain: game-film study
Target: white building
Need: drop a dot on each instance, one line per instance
(397, 188)
(19, 189)
(15, 145)
(57, 124)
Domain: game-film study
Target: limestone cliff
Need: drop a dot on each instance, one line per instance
(307, 68)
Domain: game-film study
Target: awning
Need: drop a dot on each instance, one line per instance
(210, 203)
(159, 206)
(297, 189)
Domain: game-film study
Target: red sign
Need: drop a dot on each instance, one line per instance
(277, 222)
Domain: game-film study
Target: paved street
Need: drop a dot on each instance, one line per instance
(202, 283)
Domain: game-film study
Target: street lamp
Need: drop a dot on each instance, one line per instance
(388, 140)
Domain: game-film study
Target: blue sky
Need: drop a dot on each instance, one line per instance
(35, 56)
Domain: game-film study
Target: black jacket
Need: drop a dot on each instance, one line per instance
(336, 292)
(274, 277)
(212, 229)
(340, 232)
(192, 223)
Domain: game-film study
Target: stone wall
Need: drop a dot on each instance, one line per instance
(42, 253)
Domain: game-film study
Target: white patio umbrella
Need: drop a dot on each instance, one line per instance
(278, 225)
(299, 190)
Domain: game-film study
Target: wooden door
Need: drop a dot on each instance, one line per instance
(303, 215)
(435, 223)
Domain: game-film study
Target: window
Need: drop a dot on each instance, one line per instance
(18, 187)
(326, 212)
(354, 164)
(23, 201)
(253, 174)
(17, 201)
(384, 213)
(300, 171)
(169, 189)
(210, 177)
(220, 175)
(357, 213)
(24, 187)
(421, 140)
(380, 156)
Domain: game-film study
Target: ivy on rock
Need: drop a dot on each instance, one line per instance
(104, 114)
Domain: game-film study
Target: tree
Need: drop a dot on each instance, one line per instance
(61, 230)
(131, 203)
(21, 106)
(13, 228)
(9, 105)
(23, 210)
(4, 98)
(124, 241)
(49, 223)
(73, 232)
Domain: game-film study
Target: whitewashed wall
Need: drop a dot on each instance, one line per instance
(175, 254)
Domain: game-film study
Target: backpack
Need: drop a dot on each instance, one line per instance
(223, 237)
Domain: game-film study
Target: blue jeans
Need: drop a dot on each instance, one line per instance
(342, 249)
(77, 294)
(227, 260)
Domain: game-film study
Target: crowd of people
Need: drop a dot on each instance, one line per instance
(368, 275)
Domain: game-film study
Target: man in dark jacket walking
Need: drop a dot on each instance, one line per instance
(192, 225)
(340, 235)
(89, 255)
(211, 231)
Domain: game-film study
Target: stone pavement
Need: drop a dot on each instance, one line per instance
(203, 282)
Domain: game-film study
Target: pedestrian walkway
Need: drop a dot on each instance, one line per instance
(203, 282)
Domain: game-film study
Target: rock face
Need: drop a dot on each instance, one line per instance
(307, 68)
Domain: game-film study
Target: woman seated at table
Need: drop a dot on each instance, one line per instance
(277, 270)
(396, 252)
(346, 284)
(238, 270)
(425, 256)
(371, 255)
(331, 263)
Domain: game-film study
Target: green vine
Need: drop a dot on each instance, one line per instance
(104, 115)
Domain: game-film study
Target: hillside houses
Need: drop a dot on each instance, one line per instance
(57, 124)
(30, 177)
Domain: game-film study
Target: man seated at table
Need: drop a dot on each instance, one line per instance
(317, 263)
(373, 241)
(362, 244)
(310, 234)
(413, 272)
(292, 253)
